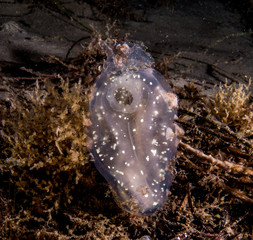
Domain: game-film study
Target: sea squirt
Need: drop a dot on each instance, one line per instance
(134, 136)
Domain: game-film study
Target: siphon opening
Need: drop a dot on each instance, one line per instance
(123, 96)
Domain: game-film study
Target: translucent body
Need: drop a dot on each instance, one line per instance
(133, 131)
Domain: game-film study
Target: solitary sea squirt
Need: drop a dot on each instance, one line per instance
(132, 111)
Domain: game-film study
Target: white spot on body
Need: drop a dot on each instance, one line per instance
(119, 172)
(154, 142)
(156, 113)
(114, 146)
(153, 151)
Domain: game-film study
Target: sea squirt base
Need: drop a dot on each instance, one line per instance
(134, 136)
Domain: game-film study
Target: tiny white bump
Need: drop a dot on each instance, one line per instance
(154, 142)
(153, 151)
(119, 172)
